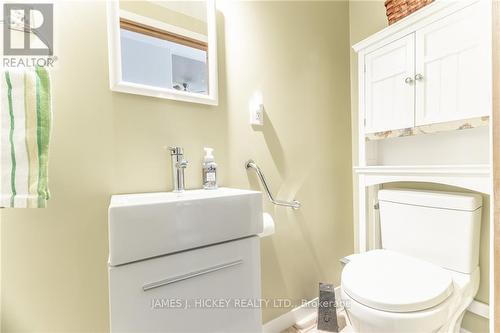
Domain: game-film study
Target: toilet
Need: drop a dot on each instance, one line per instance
(427, 271)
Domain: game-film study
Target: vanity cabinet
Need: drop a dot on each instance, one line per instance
(185, 262)
(432, 72)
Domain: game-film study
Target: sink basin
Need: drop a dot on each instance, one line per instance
(148, 225)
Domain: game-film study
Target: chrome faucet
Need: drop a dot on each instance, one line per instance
(178, 166)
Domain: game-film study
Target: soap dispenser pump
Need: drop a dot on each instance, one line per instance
(209, 170)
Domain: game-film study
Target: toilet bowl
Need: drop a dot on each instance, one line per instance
(427, 272)
(386, 292)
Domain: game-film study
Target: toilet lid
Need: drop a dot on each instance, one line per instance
(389, 281)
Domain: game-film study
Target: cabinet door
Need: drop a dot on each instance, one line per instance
(452, 67)
(389, 87)
(209, 289)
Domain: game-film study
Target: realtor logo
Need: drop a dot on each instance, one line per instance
(28, 29)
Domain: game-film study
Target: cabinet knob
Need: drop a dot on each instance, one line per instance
(408, 80)
(419, 77)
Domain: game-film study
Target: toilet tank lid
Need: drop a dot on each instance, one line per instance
(436, 199)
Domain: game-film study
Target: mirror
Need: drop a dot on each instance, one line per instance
(163, 49)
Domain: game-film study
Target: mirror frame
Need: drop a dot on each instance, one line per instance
(117, 84)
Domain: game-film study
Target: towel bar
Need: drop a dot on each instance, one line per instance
(252, 165)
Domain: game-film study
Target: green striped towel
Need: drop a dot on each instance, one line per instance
(25, 122)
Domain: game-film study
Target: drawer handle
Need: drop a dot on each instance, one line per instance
(183, 277)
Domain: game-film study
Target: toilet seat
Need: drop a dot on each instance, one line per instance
(389, 281)
(360, 278)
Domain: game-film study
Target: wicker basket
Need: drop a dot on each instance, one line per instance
(398, 9)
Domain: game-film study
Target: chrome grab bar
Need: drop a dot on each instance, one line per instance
(252, 165)
(191, 275)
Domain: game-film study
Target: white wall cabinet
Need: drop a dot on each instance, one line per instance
(432, 72)
(428, 73)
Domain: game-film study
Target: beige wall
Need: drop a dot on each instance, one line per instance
(53, 261)
(300, 63)
(366, 18)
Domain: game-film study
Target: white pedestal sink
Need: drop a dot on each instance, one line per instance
(185, 262)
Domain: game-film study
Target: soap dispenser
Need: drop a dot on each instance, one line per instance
(209, 170)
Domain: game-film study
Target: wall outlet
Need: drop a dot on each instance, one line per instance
(257, 115)
(256, 109)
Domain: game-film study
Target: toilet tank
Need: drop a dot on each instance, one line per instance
(440, 227)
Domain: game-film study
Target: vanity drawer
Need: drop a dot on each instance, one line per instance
(191, 291)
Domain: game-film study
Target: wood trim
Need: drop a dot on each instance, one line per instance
(162, 34)
(496, 160)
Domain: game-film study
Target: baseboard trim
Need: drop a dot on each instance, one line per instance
(480, 309)
(288, 319)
